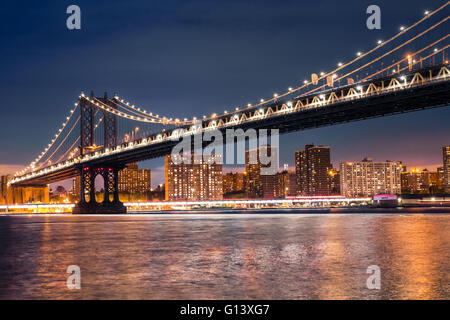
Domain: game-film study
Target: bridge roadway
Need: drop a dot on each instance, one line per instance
(418, 90)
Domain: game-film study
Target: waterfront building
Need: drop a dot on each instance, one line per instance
(76, 187)
(233, 182)
(446, 158)
(259, 184)
(335, 181)
(269, 186)
(440, 179)
(133, 180)
(420, 182)
(312, 167)
(4, 188)
(287, 184)
(201, 179)
(369, 178)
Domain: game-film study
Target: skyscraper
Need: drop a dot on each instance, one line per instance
(312, 166)
(198, 180)
(368, 178)
(287, 184)
(446, 158)
(335, 182)
(259, 184)
(440, 179)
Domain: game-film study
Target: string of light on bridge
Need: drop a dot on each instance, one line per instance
(98, 103)
(150, 114)
(50, 145)
(143, 115)
(442, 75)
(359, 56)
(393, 64)
(72, 147)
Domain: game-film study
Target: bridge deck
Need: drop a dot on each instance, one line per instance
(430, 92)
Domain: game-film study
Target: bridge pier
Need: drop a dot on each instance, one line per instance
(110, 190)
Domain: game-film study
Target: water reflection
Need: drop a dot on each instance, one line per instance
(276, 256)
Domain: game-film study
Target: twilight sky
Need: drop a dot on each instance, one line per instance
(186, 58)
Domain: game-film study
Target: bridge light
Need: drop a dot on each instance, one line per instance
(322, 96)
(237, 109)
(402, 28)
(427, 12)
(334, 76)
(359, 53)
(394, 71)
(249, 105)
(322, 73)
(289, 103)
(290, 88)
(262, 100)
(402, 78)
(379, 41)
(275, 95)
(305, 82)
(359, 88)
(340, 64)
(225, 112)
(435, 50)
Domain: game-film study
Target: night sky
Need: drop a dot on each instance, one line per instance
(189, 58)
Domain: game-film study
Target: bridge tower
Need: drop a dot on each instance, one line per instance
(109, 172)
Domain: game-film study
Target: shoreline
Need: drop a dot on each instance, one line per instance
(329, 210)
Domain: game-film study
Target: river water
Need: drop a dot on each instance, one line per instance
(225, 256)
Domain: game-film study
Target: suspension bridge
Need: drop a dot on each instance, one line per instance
(408, 72)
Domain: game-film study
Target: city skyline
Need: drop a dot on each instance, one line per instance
(157, 172)
(413, 180)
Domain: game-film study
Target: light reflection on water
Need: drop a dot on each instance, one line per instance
(218, 256)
